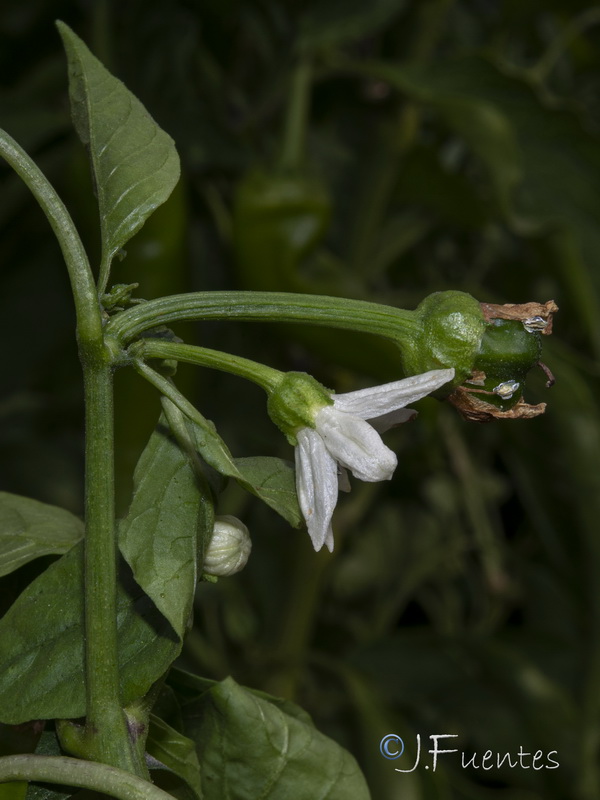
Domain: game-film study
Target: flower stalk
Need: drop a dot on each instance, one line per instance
(149, 348)
(337, 312)
(330, 432)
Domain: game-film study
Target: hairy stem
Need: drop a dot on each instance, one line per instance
(168, 390)
(106, 736)
(264, 376)
(83, 774)
(106, 733)
(337, 312)
(89, 320)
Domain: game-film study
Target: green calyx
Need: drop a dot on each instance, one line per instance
(452, 327)
(507, 353)
(295, 401)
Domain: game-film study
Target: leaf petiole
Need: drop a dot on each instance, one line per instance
(168, 390)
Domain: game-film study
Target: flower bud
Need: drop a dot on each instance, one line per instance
(229, 547)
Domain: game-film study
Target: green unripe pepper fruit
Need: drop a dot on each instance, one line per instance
(491, 355)
(507, 353)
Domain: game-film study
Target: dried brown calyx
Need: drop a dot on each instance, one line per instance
(511, 346)
(471, 407)
(534, 316)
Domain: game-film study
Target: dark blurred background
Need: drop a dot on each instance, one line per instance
(379, 150)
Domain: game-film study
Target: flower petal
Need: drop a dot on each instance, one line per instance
(343, 479)
(379, 400)
(317, 486)
(355, 444)
(392, 419)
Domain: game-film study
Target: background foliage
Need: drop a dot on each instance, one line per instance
(448, 145)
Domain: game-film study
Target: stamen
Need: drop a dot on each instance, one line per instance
(551, 379)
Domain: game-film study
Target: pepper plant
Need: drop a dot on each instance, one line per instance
(88, 648)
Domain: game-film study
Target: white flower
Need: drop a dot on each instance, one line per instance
(341, 439)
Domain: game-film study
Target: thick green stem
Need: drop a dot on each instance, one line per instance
(84, 774)
(106, 735)
(264, 376)
(337, 312)
(106, 731)
(89, 320)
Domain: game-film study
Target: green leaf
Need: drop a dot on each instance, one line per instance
(333, 22)
(251, 748)
(187, 686)
(42, 661)
(176, 752)
(30, 529)
(134, 162)
(270, 479)
(47, 793)
(161, 534)
(190, 688)
(273, 481)
(42, 634)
